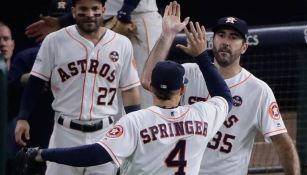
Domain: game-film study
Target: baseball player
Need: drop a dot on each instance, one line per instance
(87, 66)
(144, 16)
(165, 138)
(255, 107)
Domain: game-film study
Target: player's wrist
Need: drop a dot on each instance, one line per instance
(124, 14)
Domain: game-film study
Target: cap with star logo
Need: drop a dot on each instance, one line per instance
(232, 22)
(59, 8)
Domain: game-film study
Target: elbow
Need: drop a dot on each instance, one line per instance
(145, 83)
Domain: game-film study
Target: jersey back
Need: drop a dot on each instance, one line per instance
(165, 141)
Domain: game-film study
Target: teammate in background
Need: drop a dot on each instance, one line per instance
(255, 107)
(7, 44)
(86, 65)
(19, 74)
(144, 14)
(164, 138)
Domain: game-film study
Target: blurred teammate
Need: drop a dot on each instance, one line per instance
(255, 107)
(7, 44)
(86, 65)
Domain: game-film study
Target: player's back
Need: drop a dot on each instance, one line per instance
(172, 140)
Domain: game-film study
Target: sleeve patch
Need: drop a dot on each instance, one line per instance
(115, 132)
(274, 111)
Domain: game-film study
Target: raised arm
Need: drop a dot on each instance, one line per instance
(171, 26)
(196, 47)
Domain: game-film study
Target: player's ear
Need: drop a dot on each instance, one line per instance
(150, 88)
(244, 47)
(73, 12)
(182, 90)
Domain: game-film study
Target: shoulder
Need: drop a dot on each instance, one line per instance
(257, 83)
(191, 68)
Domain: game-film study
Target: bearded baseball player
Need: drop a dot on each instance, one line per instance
(165, 138)
(254, 105)
(87, 65)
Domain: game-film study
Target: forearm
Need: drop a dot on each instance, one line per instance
(30, 97)
(287, 154)
(81, 156)
(131, 96)
(124, 14)
(214, 81)
(157, 54)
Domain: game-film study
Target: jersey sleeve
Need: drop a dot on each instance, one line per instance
(120, 141)
(270, 120)
(216, 110)
(44, 61)
(129, 76)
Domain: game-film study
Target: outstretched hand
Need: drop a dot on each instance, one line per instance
(196, 40)
(171, 24)
(40, 29)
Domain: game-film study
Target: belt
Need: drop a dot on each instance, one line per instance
(91, 126)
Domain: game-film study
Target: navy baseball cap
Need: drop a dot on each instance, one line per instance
(232, 22)
(59, 8)
(168, 75)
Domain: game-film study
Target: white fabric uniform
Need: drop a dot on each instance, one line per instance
(84, 80)
(255, 109)
(149, 28)
(165, 141)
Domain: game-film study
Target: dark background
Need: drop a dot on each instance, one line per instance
(19, 14)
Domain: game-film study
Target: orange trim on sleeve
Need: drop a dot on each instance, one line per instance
(37, 73)
(130, 85)
(275, 131)
(110, 151)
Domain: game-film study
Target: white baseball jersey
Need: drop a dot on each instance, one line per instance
(254, 109)
(165, 141)
(149, 27)
(85, 78)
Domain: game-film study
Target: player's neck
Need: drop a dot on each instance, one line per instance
(166, 104)
(94, 37)
(229, 71)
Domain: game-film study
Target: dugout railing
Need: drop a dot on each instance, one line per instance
(278, 56)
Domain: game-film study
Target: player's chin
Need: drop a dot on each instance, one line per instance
(88, 28)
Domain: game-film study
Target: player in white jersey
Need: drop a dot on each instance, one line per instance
(87, 65)
(144, 14)
(255, 107)
(166, 138)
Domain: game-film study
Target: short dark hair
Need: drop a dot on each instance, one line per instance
(163, 95)
(75, 1)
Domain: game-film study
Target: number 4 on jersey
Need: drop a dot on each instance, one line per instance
(176, 157)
